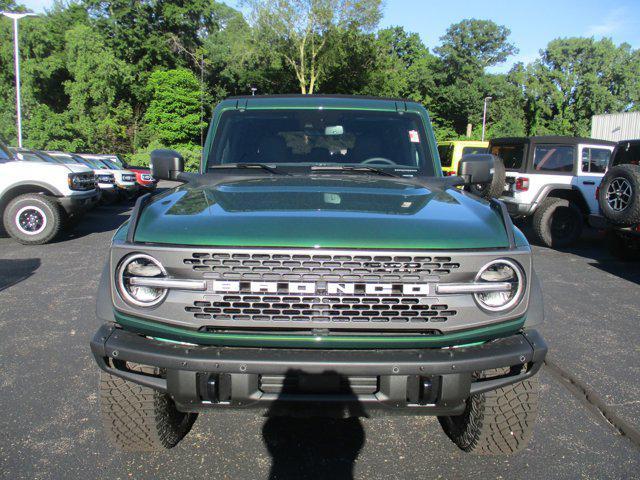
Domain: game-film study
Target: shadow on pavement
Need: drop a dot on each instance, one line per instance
(315, 440)
(103, 218)
(13, 272)
(592, 246)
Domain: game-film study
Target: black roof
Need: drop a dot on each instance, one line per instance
(566, 140)
(630, 142)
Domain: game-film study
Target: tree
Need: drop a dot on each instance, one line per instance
(403, 66)
(299, 30)
(576, 78)
(470, 46)
(95, 91)
(234, 62)
(174, 111)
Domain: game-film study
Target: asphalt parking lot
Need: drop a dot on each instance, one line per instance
(48, 397)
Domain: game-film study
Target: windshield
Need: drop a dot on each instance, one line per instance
(5, 155)
(511, 155)
(115, 160)
(109, 164)
(91, 163)
(473, 150)
(27, 156)
(304, 138)
(446, 155)
(48, 158)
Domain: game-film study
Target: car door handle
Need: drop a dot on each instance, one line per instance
(588, 182)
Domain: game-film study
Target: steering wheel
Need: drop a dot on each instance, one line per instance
(386, 161)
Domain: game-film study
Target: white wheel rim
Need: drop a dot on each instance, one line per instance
(31, 220)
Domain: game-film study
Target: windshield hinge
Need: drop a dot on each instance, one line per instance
(401, 107)
(241, 104)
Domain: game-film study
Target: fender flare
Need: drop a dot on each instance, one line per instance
(544, 193)
(104, 303)
(535, 312)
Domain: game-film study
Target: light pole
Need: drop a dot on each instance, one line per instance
(484, 115)
(16, 59)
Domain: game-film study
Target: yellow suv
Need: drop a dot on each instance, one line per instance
(452, 151)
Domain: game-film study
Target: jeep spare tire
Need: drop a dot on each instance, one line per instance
(619, 195)
(33, 219)
(495, 188)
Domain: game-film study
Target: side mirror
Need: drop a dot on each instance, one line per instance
(476, 168)
(484, 174)
(166, 164)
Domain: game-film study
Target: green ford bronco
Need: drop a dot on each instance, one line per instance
(320, 263)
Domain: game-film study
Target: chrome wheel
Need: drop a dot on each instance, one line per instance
(31, 220)
(619, 194)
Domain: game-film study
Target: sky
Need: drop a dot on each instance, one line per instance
(532, 24)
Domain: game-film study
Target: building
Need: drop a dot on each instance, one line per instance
(616, 126)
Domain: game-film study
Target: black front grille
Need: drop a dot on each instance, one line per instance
(323, 309)
(340, 267)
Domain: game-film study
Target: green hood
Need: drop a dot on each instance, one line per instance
(322, 212)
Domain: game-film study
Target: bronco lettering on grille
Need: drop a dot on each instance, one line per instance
(330, 288)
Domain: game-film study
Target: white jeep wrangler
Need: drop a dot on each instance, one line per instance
(37, 197)
(554, 180)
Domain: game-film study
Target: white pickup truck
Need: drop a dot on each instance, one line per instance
(37, 197)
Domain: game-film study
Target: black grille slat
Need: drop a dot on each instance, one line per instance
(337, 267)
(348, 308)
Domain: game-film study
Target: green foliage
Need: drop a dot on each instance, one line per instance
(190, 152)
(472, 45)
(299, 31)
(174, 110)
(576, 78)
(127, 77)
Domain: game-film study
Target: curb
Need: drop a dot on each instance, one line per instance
(586, 394)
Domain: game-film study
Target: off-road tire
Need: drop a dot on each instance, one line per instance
(630, 215)
(46, 206)
(495, 188)
(622, 248)
(543, 219)
(140, 419)
(499, 422)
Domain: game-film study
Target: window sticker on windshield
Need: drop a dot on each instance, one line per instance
(413, 136)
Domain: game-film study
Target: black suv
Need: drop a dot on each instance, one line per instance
(619, 201)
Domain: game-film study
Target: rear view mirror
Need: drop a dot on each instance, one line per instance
(166, 164)
(334, 130)
(476, 168)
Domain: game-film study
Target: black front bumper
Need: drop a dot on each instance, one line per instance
(426, 381)
(80, 202)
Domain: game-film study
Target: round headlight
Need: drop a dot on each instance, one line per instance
(505, 272)
(140, 265)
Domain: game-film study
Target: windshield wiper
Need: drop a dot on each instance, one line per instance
(247, 166)
(344, 168)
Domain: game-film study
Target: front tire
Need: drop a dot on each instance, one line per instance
(557, 223)
(499, 422)
(140, 419)
(33, 219)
